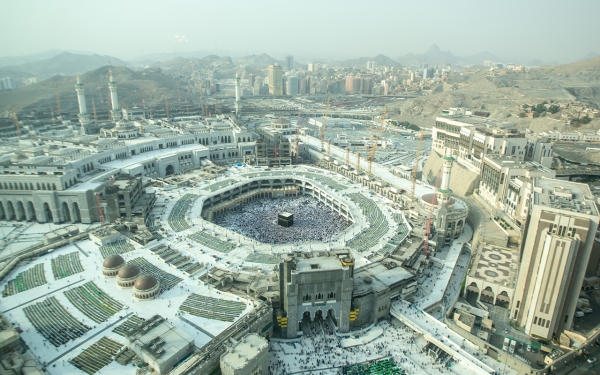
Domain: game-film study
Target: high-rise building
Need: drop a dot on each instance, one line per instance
(366, 85)
(289, 63)
(251, 80)
(371, 65)
(275, 79)
(303, 86)
(292, 86)
(558, 240)
(428, 73)
(354, 84)
(8, 83)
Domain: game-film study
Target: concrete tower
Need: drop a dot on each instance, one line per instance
(84, 117)
(238, 104)
(115, 112)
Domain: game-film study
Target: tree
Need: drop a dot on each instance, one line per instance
(554, 108)
(522, 114)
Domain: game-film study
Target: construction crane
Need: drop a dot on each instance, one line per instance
(298, 134)
(374, 141)
(329, 149)
(427, 230)
(324, 125)
(413, 179)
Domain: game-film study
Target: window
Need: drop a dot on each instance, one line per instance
(535, 320)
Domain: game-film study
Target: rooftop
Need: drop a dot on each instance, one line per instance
(378, 276)
(565, 196)
(496, 265)
(249, 347)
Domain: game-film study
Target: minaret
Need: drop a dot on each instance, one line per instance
(115, 112)
(84, 117)
(238, 104)
(444, 189)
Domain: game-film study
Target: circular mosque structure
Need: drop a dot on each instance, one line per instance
(146, 287)
(112, 265)
(127, 275)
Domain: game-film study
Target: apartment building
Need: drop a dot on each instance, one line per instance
(559, 236)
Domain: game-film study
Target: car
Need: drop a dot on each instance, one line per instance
(505, 331)
(528, 347)
(588, 310)
(591, 360)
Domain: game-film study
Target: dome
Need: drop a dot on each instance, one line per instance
(113, 261)
(145, 282)
(128, 271)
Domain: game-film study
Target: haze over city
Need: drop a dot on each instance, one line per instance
(515, 30)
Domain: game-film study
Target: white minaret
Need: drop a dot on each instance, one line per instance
(84, 117)
(238, 104)
(444, 189)
(115, 112)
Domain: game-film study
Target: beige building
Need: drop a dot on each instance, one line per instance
(558, 242)
(275, 74)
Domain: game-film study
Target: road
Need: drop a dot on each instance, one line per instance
(580, 366)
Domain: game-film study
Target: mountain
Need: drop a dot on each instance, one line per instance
(590, 55)
(166, 56)
(433, 56)
(66, 63)
(150, 83)
(258, 60)
(361, 62)
(480, 57)
(18, 60)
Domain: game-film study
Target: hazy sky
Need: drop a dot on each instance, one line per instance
(546, 29)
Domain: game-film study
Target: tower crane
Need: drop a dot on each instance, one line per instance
(374, 141)
(413, 179)
(324, 126)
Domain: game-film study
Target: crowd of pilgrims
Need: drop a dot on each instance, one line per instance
(257, 219)
(321, 351)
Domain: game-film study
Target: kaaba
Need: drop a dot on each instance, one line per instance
(285, 219)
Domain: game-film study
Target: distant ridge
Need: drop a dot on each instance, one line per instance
(361, 62)
(66, 63)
